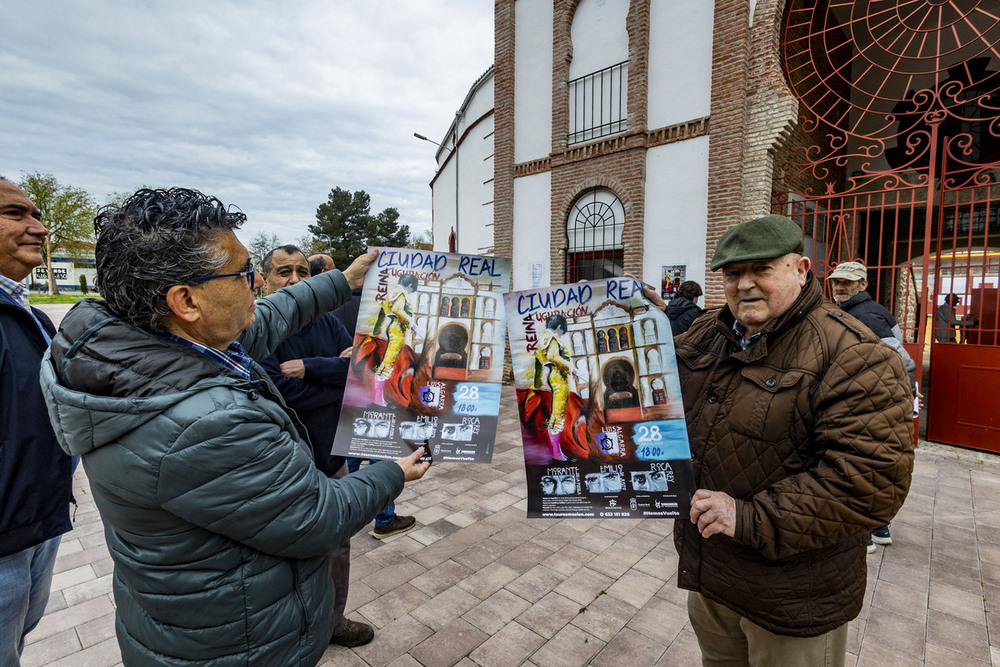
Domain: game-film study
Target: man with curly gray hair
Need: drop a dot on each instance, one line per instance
(205, 483)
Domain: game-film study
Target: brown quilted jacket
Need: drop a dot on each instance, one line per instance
(810, 430)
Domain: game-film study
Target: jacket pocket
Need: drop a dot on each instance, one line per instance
(766, 406)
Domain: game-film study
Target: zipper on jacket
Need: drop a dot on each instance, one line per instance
(303, 621)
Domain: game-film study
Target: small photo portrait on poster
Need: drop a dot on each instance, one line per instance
(603, 482)
(416, 430)
(457, 432)
(649, 480)
(558, 485)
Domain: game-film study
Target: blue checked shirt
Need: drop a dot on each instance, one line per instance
(233, 357)
(15, 290)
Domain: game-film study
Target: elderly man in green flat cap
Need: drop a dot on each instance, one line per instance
(801, 440)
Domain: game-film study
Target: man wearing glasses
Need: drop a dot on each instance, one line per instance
(219, 523)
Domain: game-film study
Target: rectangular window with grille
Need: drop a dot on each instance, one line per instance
(598, 104)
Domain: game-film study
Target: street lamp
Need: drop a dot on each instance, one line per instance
(454, 151)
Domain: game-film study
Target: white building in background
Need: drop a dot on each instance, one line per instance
(462, 217)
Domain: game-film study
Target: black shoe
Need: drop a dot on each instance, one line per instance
(881, 536)
(399, 524)
(354, 633)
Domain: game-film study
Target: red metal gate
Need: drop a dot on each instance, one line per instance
(895, 163)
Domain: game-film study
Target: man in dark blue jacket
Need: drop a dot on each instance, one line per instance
(310, 370)
(35, 474)
(849, 282)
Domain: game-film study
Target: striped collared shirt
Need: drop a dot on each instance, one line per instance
(15, 290)
(233, 357)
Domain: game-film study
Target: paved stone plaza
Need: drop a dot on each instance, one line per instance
(479, 584)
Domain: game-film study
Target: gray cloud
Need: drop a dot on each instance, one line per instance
(265, 105)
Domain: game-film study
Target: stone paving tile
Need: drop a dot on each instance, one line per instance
(960, 603)
(388, 578)
(445, 607)
(901, 600)
(394, 604)
(525, 557)
(683, 651)
(628, 648)
(897, 633)
(441, 577)
(571, 647)
(535, 583)
(491, 578)
(635, 588)
(71, 617)
(88, 590)
(96, 631)
(584, 586)
(939, 655)
(947, 631)
(390, 642)
(567, 560)
(449, 645)
(659, 620)
(47, 650)
(496, 611)
(105, 654)
(549, 615)
(509, 647)
(604, 617)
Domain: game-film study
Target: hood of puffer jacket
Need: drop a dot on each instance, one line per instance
(103, 377)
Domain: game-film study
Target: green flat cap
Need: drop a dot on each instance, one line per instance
(758, 239)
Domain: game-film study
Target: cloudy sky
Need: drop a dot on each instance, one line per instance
(267, 105)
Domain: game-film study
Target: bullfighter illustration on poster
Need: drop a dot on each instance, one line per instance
(428, 357)
(600, 404)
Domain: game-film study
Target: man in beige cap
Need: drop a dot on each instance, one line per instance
(799, 424)
(849, 282)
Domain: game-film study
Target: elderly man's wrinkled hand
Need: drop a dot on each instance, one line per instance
(713, 512)
(355, 273)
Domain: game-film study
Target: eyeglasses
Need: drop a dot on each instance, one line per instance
(250, 275)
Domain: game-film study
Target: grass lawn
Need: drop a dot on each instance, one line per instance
(41, 299)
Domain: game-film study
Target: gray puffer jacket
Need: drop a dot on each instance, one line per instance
(217, 519)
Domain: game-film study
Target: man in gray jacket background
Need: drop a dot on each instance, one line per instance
(218, 521)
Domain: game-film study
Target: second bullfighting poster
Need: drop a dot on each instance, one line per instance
(428, 357)
(600, 403)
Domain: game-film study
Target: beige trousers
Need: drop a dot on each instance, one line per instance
(728, 640)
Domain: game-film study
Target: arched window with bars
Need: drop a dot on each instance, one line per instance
(594, 227)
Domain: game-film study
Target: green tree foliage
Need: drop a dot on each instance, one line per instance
(67, 212)
(261, 244)
(346, 227)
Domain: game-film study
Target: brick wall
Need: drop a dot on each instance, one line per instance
(728, 111)
(503, 134)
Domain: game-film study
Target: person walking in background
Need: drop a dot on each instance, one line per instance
(35, 474)
(683, 309)
(946, 321)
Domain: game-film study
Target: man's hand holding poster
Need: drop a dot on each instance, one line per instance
(428, 357)
(599, 399)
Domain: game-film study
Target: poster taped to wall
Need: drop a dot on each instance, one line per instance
(428, 358)
(599, 399)
(673, 276)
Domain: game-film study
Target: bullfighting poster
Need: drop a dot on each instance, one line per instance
(600, 402)
(428, 357)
